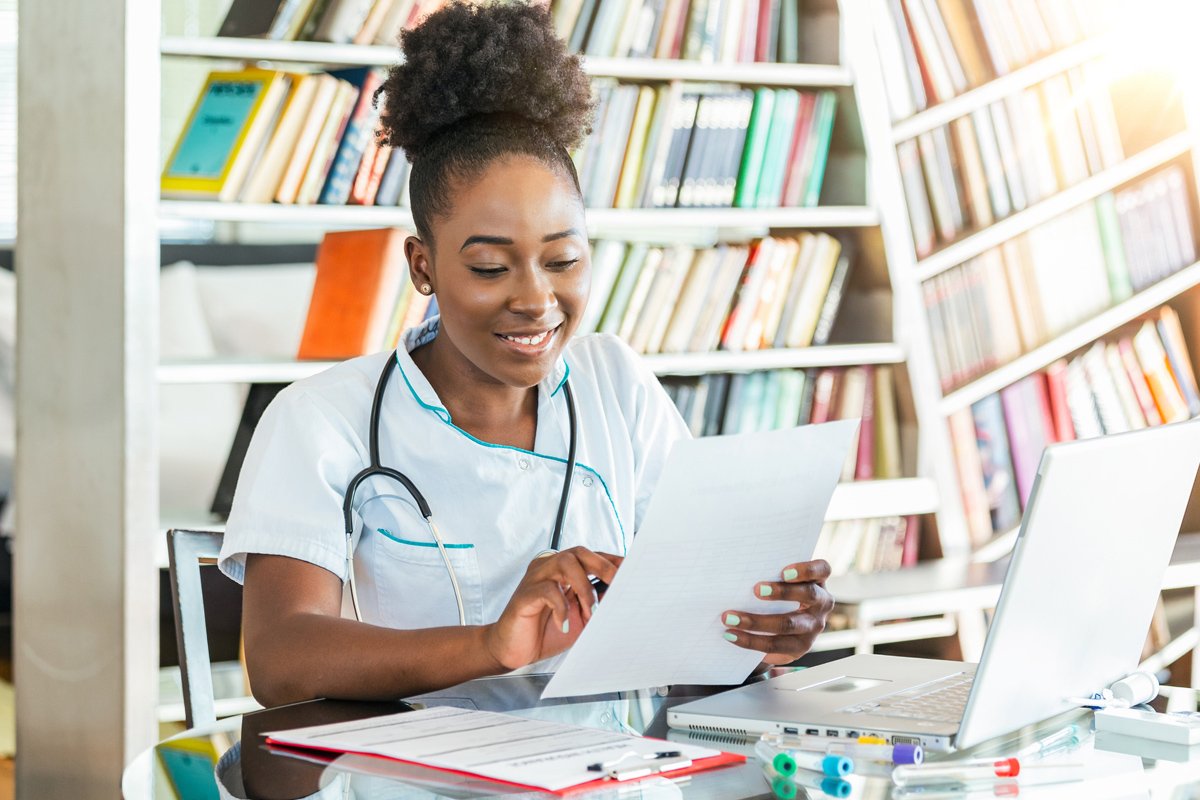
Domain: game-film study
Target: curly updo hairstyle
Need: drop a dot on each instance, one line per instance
(480, 82)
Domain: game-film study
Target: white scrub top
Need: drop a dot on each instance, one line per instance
(494, 505)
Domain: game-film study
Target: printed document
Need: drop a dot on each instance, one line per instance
(529, 752)
(728, 511)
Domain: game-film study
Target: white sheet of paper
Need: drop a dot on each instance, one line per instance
(728, 511)
(503, 747)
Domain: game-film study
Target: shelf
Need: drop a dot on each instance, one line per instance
(239, 371)
(1022, 78)
(853, 500)
(1078, 337)
(633, 219)
(1045, 210)
(882, 498)
(826, 356)
(910, 631)
(286, 371)
(997, 547)
(656, 69)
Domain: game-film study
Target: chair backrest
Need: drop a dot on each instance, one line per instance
(187, 550)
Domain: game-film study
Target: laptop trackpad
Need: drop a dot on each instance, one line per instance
(843, 684)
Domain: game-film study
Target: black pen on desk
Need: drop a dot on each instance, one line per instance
(600, 766)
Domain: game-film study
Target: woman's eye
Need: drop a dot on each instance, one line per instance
(487, 271)
(562, 264)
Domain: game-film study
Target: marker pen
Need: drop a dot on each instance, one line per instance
(956, 772)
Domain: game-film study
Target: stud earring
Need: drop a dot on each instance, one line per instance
(426, 288)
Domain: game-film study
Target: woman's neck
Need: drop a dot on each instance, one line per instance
(480, 405)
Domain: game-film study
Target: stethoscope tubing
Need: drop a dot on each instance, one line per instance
(375, 467)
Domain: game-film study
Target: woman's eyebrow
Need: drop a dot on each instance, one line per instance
(504, 240)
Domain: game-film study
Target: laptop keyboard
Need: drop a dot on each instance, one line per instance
(943, 700)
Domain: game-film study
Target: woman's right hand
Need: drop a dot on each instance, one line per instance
(550, 606)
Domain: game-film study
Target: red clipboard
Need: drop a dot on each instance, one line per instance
(699, 765)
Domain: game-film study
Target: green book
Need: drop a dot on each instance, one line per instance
(789, 32)
(791, 393)
(750, 406)
(1119, 285)
(746, 192)
(822, 134)
(618, 301)
(772, 397)
(313, 20)
(775, 152)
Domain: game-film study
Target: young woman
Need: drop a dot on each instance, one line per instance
(480, 408)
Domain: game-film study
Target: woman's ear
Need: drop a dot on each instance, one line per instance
(420, 265)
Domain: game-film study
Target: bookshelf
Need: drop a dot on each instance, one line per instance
(856, 218)
(864, 200)
(1156, 121)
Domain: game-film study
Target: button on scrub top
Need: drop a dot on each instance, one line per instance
(494, 505)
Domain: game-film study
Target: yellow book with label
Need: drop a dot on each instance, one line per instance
(223, 134)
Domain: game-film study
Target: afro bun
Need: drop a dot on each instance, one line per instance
(501, 60)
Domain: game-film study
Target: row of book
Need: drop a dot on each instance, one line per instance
(878, 544)
(932, 50)
(1032, 288)
(667, 146)
(1138, 379)
(268, 136)
(710, 31)
(339, 21)
(720, 403)
(1006, 156)
(773, 292)
(263, 136)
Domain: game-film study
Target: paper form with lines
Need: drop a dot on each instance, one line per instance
(728, 511)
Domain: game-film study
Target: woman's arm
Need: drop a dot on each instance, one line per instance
(298, 647)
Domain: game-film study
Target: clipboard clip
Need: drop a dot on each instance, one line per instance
(639, 765)
(640, 771)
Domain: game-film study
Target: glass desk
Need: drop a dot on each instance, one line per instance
(228, 759)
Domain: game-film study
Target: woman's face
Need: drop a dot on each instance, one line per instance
(511, 270)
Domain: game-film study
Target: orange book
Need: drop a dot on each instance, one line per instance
(359, 275)
(1153, 358)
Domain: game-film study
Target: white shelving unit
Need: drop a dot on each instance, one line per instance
(282, 371)
(882, 135)
(599, 219)
(643, 69)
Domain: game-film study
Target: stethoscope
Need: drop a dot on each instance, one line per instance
(376, 468)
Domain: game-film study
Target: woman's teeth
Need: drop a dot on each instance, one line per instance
(528, 340)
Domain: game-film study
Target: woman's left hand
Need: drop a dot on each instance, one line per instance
(787, 636)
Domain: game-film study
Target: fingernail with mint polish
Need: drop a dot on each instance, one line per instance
(790, 574)
(733, 620)
(594, 607)
(732, 637)
(566, 626)
(765, 590)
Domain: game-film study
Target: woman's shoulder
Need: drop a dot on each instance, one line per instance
(607, 365)
(343, 389)
(605, 354)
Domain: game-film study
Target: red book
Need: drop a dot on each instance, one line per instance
(1060, 412)
(865, 467)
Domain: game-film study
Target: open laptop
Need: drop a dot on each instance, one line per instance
(1072, 617)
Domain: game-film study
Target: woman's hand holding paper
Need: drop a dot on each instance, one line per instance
(787, 636)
